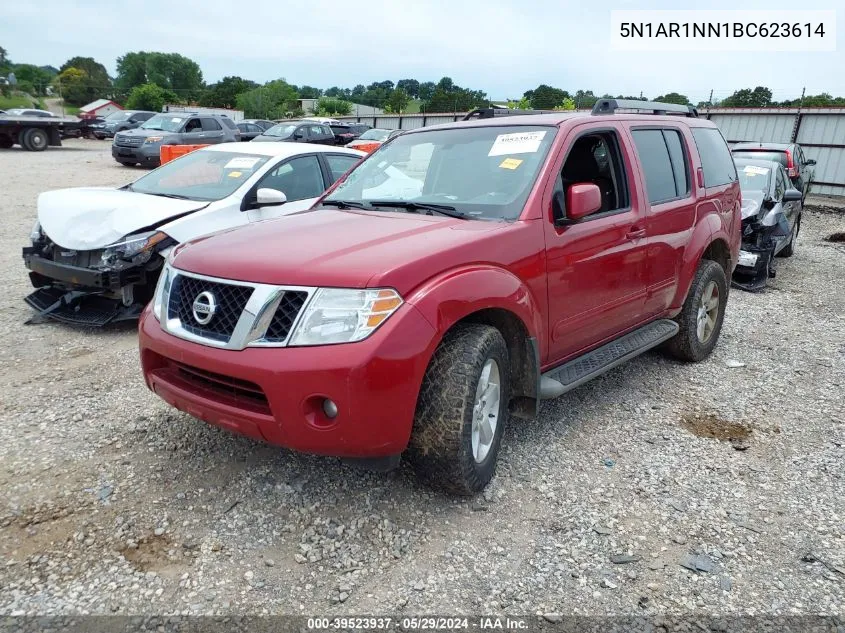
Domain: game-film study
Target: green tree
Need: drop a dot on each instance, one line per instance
(310, 92)
(329, 106)
(150, 97)
(545, 97)
(673, 97)
(78, 89)
(522, 104)
(273, 100)
(585, 99)
(224, 93)
(760, 97)
(398, 100)
(410, 86)
(32, 79)
(567, 104)
(167, 70)
(426, 91)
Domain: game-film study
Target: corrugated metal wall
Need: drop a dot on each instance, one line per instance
(820, 131)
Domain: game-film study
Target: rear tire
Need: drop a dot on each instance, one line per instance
(462, 410)
(34, 139)
(700, 320)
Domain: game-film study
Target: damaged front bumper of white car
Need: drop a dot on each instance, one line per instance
(94, 287)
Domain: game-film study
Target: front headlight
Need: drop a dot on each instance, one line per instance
(135, 249)
(338, 315)
(153, 139)
(35, 233)
(162, 291)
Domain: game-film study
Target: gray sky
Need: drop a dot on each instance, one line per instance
(503, 47)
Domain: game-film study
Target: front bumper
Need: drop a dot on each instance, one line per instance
(46, 271)
(147, 154)
(276, 394)
(754, 268)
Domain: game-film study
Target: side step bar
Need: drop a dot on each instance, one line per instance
(576, 372)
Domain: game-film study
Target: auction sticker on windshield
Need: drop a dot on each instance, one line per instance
(516, 143)
(242, 162)
(510, 163)
(753, 169)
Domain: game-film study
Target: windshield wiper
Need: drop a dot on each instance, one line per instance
(175, 196)
(345, 204)
(430, 207)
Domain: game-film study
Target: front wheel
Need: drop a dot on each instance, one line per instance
(34, 139)
(700, 320)
(462, 410)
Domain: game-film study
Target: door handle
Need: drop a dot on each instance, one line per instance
(635, 233)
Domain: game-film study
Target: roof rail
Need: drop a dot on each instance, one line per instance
(489, 113)
(610, 106)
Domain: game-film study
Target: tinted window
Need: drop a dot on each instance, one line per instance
(243, 127)
(657, 166)
(299, 178)
(716, 161)
(780, 184)
(680, 165)
(339, 165)
(227, 122)
(193, 125)
(211, 125)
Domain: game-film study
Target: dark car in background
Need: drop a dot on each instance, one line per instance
(799, 168)
(299, 132)
(143, 144)
(264, 124)
(249, 130)
(771, 220)
(120, 121)
(345, 133)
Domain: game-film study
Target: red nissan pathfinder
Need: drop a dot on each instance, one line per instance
(450, 282)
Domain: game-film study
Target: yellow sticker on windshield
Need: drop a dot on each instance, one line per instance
(510, 163)
(235, 174)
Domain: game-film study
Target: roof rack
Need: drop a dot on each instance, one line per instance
(489, 113)
(610, 106)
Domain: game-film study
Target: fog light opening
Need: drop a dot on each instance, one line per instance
(329, 408)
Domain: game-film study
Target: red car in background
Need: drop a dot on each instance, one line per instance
(372, 139)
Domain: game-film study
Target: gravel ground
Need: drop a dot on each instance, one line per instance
(660, 488)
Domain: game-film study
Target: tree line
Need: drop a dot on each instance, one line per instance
(149, 80)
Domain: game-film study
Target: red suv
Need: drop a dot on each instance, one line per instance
(454, 279)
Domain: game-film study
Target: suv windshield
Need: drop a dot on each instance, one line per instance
(485, 173)
(374, 135)
(118, 116)
(200, 175)
(281, 131)
(164, 122)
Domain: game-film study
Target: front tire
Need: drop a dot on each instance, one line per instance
(700, 320)
(462, 410)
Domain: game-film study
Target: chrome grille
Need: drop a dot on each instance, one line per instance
(285, 315)
(128, 141)
(246, 314)
(230, 300)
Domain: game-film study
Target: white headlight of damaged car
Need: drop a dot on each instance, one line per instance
(162, 292)
(337, 315)
(133, 250)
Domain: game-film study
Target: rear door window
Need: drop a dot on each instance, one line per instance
(657, 165)
(716, 160)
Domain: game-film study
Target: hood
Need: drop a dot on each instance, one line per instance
(91, 217)
(353, 249)
(144, 133)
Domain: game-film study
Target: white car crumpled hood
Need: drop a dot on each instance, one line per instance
(86, 218)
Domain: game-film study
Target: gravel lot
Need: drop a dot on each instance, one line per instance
(111, 502)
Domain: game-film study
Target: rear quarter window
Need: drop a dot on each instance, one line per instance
(716, 160)
(228, 122)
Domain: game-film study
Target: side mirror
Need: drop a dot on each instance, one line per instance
(582, 199)
(811, 161)
(792, 195)
(297, 136)
(266, 197)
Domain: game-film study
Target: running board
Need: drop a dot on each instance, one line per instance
(576, 372)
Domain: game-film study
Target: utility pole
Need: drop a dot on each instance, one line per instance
(801, 103)
(710, 100)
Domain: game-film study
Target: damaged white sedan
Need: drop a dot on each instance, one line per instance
(97, 253)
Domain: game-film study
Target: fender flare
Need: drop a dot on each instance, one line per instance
(706, 232)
